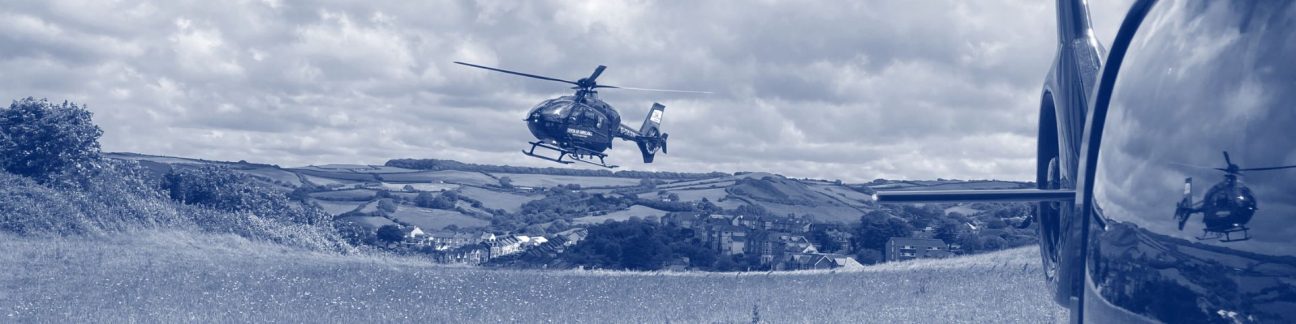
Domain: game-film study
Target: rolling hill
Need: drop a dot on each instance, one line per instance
(346, 188)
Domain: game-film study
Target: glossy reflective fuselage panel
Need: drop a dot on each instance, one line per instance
(1199, 78)
(589, 124)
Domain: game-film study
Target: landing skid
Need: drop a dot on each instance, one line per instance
(574, 155)
(1226, 235)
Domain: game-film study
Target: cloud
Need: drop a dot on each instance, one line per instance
(850, 91)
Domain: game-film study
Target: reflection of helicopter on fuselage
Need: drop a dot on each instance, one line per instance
(1226, 208)
(582, 126)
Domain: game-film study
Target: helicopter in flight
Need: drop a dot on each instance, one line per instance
(1227, 206)
(580, 127)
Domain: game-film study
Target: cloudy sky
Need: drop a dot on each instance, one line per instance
(851, 90)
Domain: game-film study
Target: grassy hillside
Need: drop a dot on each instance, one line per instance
(182, 276)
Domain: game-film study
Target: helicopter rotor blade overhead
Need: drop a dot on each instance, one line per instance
(1268, 168)
(1227, 159)
(657, 90)
(524, 74)
(597, 71)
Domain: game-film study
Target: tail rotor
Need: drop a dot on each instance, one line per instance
(650, 138)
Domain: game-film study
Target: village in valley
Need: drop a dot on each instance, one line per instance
(515, 217)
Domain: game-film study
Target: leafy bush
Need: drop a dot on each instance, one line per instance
(222, 189)
(39, 139)
(442, 201)
(387, 205)
(876, 227)
(110, 199)
(390, 233)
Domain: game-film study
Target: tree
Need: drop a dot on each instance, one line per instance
(390, 233)
(824, 240)
(949, 231)
(506, 182)
(445, 200)
(387, 205)
(876, 227)
(39, 139)
(868, 256)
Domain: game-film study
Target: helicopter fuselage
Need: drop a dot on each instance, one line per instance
(1227, 205)
(588, 123)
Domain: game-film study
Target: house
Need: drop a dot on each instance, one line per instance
(729, 239)
(412, 232)
(503, 246)
(844, 261)
(470, 254)
(776, 246)
(908, 248)
(805, 261)
(531, 241)
(686, 220)
(443, 241)
(572, 236)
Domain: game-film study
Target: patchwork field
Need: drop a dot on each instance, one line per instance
(337, 207)
(348, 195)
(545, 180)
(184, 277)
(276, 175)
(449, 176)
(433, 187)
(498, 200)
(621, 215)
(436, 219)
(712, 195)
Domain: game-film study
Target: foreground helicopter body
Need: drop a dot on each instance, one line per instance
(581, 126)
(1116, 132)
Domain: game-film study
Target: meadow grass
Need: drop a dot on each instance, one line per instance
(179, 276)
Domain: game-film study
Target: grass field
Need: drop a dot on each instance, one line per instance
(712, 195)
(449, 176)
(347, 195)
(433, 187)
(184, 277)
(436, 219)
(498, 200)
(337, 207)
(621, 215)
(276, 174)
(545, 180)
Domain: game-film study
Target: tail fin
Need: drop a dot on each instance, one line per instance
(1185, 207)
(650, 136)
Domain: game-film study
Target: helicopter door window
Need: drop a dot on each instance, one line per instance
(589, 119)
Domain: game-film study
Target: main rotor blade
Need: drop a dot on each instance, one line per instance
(647, 89)
(1269, 168)
(1227, 159)
(597, 71)
(515, 73)
(1193, 166)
